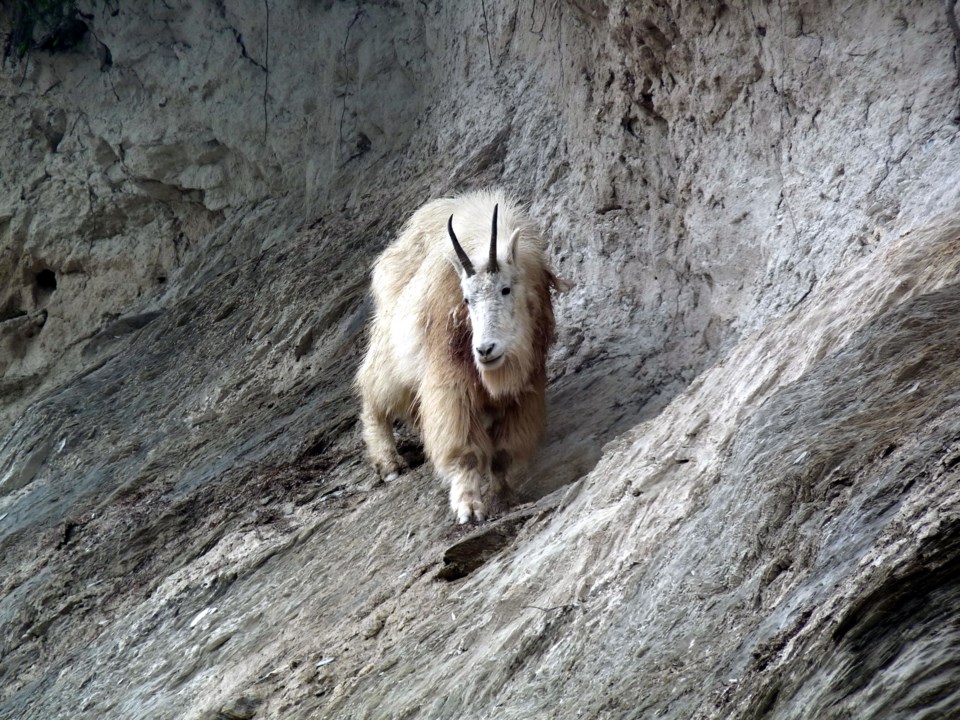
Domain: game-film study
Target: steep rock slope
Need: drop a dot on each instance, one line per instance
(753, 391)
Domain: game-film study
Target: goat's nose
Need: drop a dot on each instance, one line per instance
(486, 350)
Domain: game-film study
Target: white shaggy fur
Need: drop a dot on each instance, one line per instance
(460, 356)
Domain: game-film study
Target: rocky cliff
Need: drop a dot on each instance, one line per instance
(747, 504)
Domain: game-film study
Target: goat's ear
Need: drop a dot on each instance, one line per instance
(512, 246)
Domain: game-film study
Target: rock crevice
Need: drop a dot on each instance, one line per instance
(746, 504)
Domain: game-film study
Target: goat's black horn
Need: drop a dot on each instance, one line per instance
(464, 259)
(493, 243)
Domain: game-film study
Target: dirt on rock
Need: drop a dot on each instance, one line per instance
(747, 503)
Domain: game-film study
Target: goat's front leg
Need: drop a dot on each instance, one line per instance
(502, 493)
(465, 498)
(457, 448)
(381, 447)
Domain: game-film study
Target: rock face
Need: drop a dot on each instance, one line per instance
(748, 502)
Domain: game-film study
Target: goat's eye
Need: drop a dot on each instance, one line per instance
(505, 291)
(466, 301)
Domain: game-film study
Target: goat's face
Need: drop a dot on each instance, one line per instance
(491, 299)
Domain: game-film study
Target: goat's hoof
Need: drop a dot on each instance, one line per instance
(468, 510)
(390, 470)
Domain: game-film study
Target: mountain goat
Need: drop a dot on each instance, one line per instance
(458, 346)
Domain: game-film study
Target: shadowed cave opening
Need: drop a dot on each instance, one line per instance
(44, 285)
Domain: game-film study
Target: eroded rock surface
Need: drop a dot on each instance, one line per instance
(747, 502)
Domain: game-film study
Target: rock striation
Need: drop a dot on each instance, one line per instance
(748, 501)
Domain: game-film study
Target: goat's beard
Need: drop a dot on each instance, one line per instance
(510, 377)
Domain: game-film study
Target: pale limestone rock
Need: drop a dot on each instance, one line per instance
(748, 491)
